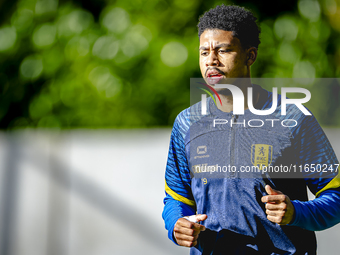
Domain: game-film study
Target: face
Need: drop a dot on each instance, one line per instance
(222, 57)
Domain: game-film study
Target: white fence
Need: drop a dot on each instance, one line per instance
(92, 192)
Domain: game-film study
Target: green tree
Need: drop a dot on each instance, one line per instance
(96, 64)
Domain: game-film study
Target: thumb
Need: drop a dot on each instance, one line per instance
(201, 217)
(271, 191)
(196, 218)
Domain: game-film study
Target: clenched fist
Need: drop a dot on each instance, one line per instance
(279, 208)
(186, 232)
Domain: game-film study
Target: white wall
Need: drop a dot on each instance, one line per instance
(92, 192)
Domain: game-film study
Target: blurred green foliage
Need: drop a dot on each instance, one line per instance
(96, 64)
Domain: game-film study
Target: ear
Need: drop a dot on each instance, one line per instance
(251, 55)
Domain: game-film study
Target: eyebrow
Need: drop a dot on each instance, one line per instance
(216, 47)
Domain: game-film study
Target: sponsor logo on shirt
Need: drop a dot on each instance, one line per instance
(202, 150)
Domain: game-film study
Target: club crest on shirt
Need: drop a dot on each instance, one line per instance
(261, 155)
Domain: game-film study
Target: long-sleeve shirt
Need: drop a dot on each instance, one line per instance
(211, 170)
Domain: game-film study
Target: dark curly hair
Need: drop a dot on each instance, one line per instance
(233, 18)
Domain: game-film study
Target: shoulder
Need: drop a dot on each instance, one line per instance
(292, 113)
(186, 118)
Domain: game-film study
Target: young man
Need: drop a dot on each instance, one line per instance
(245, 213)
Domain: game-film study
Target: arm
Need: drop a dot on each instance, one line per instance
(179, 200)
(324, 211)
(173, 211)
(321, 213)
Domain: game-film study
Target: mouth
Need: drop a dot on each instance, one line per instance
(213, 77)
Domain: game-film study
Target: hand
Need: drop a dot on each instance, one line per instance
(279, 209)
(186, 232)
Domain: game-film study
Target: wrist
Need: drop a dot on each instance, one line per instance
(294, 217)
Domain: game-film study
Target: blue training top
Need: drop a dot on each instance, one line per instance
(211, 170)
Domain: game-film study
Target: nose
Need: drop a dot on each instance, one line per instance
(212, 59)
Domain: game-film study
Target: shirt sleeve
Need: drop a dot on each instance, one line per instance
(321, 175)
(179, 201)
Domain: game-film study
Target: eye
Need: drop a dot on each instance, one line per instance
(224, 51)
(204, 53)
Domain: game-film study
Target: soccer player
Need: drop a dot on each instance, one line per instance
(214, 207)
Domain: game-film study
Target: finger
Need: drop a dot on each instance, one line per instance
(274, 219)
(187, 222)
(271, 191)
(198, 227)
(192, 225)
(276, 207)
(184, 237)
(275, 213)
(184, 222)
(273, 199)
(196, 219)
(201, 217)
(187, 243)
(186, 231)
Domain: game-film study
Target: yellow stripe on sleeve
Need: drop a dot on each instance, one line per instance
(333, 184)
(178, 197)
